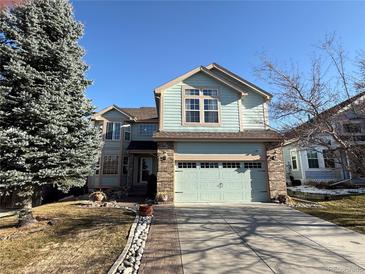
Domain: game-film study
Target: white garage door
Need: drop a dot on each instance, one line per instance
(220, 182)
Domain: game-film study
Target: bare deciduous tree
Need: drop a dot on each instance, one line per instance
(310, 107)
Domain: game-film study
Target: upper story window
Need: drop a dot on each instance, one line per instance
(352, 128)
(211, 110)
(147, 129)
(192, 110)
(312, 157)
(112, 131)
(210, 92)
(201, 106)
(127, 134)
(294, 160)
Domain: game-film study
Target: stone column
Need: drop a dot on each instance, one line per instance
(275, 170)
(165, 171)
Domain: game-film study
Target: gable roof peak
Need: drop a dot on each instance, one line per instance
(194, 71)
(239, 79)
(229, 78)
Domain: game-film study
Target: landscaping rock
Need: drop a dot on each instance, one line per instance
(132, 260)
(128, 270)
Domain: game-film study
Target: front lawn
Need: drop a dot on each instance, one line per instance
(348, 212)
(81, 240)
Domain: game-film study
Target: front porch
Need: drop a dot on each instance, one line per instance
(142, 163)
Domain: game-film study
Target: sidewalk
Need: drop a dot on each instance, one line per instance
(162, 253)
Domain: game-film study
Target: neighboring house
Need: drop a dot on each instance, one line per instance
(213, 142)
(314, 163)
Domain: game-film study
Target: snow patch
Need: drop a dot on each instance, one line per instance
(311, 189)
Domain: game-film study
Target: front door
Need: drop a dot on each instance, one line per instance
(145, 169)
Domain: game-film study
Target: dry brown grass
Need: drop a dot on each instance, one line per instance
(83, 240)
(347, 212)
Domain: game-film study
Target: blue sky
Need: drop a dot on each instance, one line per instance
(133, 47)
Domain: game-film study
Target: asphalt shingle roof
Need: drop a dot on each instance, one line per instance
(142, 113)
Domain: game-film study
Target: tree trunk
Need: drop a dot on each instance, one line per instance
(25, 216)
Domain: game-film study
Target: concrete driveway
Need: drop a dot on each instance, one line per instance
(264, 238)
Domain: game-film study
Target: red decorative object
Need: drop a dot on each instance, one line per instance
(145, 210)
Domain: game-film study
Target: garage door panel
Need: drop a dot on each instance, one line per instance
(206, 174)
(234, 196)
(186, 197)
(208, 185)
(213, 196)
(221, 182)
(228, 185)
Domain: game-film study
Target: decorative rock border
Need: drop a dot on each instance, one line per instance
(129, 261)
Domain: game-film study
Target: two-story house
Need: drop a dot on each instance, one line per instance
(213, 142)
(316, 162)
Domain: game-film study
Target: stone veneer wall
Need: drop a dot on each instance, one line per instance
(165, 170)
(275, 170)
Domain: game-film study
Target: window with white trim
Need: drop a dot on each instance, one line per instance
(147, 129)
(312, 157)
(110, 164)
(112, 131)
(294, 160)
(201, 106)
(210, 110)
(210, 92)
(192, 111)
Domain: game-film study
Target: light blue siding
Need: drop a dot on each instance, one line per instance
(219, 148)
(172, 113)
(253, 111)
(252, 107)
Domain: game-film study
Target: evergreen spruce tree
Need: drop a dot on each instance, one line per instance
(46, 136)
